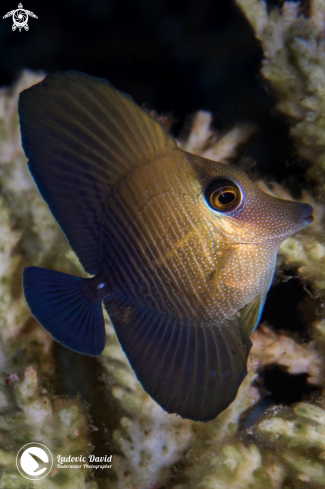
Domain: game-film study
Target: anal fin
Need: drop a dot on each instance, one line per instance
(190, 368)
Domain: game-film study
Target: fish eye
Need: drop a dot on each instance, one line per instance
(223, 195)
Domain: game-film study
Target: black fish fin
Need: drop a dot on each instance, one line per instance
(57, 302)
(82, 137)
(190, 369)
(250, 315)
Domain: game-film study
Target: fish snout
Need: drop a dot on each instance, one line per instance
(285, 217)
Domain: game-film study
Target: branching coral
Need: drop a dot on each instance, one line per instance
(270, 348)
(29, 414)
(150, 439)
(28, 234)
(294, 66)
(223, 456)
(285, 448)
(210, 143)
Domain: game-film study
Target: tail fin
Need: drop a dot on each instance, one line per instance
(57, 302)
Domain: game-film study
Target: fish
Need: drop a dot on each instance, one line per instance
(181, 250)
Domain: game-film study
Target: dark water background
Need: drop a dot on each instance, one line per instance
(177, 56)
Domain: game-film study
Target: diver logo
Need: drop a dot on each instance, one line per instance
(20, 18)
(34, 461)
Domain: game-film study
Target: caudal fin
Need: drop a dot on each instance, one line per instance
(57, 302)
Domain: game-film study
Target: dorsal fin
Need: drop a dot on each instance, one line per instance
(82, 136)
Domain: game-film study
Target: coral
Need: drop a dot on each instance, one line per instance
(29, 413)
(294, 67)
(212, 144)
(29, 234)
(224, 456)
(151, 442)
(284, 448)
(299, 434)
(270, 348)
(150, 439)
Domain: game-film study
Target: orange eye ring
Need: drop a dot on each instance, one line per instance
(223, 195)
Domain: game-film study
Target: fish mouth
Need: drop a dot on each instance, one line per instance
(309, 219)
(308, 214)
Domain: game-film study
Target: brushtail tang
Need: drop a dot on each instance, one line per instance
(182, 249)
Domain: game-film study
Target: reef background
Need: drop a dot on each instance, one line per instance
(179, 59)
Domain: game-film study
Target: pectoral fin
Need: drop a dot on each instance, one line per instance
(250, 315)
